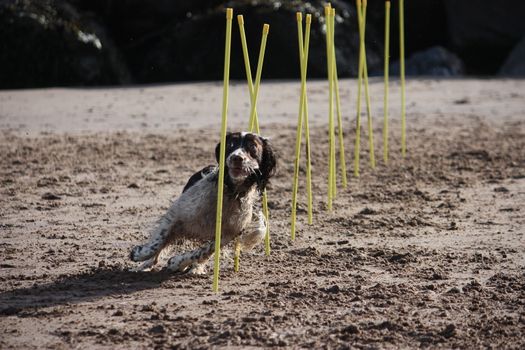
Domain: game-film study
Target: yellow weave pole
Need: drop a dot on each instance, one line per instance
(237, 255)
(342, 160)
(306, 50)
(266, 30)
(302, 116)
(299, 129)
(329, 62)
(254, 120)
(367, 95)
(240, 20)
(402, 64)
(385, 102)
(247, 67)
(255, 93)
(222, 156)
(359, 89)
(255, 126)
(332, 130)
(332, 117)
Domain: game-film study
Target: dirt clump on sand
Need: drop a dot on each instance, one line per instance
(425, 252)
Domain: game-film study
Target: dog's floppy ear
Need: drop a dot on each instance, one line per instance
(218, 147)
(268, 164)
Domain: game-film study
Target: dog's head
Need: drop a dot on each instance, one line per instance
(249, 159)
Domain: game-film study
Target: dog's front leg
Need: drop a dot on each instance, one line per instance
(255, 232)
(196, 258)
(146, 265)
(180, 262)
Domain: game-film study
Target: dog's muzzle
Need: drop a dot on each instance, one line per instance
(239, 165)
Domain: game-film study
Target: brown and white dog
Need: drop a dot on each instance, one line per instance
(250, 163)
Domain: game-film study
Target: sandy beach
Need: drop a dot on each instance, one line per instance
(166, 108)
(427, 251)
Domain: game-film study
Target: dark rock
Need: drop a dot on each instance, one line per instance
(449, 331)
(100, 42)
(488, 22)
(425, 25)
(483, 32)
(386, 325)
(462, 101)
(454, 290)
(476, 154)
(298, 295)
(50, 196)
(402, 258)
(437, 276)
(132, 22)
(501, 189)
(194, 48)
(350, 329)
(158, 329)
(436, 61)
(514, 65)
(224, 335)
(48, 43)
(147, 308)
(309, 251)
(7, 266)
(368, 211)
(333, 289)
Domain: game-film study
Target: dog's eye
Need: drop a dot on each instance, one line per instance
(253, 149)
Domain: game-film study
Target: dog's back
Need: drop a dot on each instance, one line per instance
(199, 175)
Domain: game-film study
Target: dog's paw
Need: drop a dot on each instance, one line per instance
(196, 269)
(177, 264)
(145, 266)
(139, 253)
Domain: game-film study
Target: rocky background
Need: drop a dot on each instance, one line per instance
(114, 42)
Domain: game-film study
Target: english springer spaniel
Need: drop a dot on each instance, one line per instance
(250, 163)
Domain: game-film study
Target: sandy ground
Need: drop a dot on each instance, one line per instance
(425, 252)
(162, 109)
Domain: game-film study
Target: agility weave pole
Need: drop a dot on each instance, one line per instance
(367, 91)
(254, 120)
(329, 63)
(306, 51)
(363, 75)
(222, 152)
(357, 146)
(332, 130)
(302, 116)
(385, 102)
(253, 91)
(402, 72)
(342, 160)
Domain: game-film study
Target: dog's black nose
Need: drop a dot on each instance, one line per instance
(235, 158)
